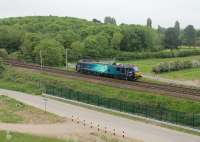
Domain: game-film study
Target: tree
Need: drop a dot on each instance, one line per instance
(161, 30)
(149, 23)
(10, 38)
(29, 42)
(136, 38)
(77, 50)
(68, 37)
(52, 52)
(109, 20)
(96, 21)
(91, 46)
(116, 40)
(171, 39)
(189, 36)
(177, 27)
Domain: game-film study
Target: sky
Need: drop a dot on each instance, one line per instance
(162, 12)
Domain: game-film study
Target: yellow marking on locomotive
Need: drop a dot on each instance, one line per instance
(138, 75)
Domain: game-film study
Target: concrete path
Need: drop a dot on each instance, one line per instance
(133, 129)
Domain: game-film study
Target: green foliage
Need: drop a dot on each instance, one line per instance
(116, 40)
(18, 137)
(177, 27)
(76, 51)
(10, 38)
(124, 56)
(176, 65)
(2, 69)
(85, 39)
(171, 38)
(52, 52)
(30, 41)
(189, 36)
(136, 38)
(3, 53)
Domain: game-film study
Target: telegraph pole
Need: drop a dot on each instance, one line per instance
(41, 61)
(66, 59)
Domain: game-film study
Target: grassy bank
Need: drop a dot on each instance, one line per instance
(27, 81)
(12, 111)
(18, 137)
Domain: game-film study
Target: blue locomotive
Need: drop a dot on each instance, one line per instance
(121, 71)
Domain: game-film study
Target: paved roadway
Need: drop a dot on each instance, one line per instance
(133, 129)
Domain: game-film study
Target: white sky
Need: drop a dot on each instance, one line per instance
(162, 12)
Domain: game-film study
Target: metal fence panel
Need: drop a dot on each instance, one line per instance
(187, 119)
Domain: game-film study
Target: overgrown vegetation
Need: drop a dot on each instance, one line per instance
(176, 65)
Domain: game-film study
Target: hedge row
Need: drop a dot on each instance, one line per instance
(176, 65)
(124, 56)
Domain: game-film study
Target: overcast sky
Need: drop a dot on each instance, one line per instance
(162, 12)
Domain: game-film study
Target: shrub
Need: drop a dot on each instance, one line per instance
(3, 53)
(176, 65)
(2, 68)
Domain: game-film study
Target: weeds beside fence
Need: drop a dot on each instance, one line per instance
(159, 113)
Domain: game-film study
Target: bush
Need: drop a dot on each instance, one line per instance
(176, 65)
(3, 53)
(124, 56)
(2, 68)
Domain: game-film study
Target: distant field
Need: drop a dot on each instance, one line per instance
(18, 137)
(12, 111)
(146, 66)
(27, 81)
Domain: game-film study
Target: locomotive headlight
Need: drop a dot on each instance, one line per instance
(138, 75)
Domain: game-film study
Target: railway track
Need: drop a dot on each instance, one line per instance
(165, 89)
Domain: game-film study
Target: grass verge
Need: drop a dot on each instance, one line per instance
(12, 111)
(19, 137)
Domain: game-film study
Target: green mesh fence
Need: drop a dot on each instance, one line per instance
(187, 119)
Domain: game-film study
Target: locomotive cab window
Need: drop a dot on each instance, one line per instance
(123, 70)
(118, 69)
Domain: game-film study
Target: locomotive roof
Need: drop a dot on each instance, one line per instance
(117, 65)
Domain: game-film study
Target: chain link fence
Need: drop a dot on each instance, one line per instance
(158, 113)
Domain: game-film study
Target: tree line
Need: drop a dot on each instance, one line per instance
(26, 37)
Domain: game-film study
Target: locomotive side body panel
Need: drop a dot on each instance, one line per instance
(122, 72)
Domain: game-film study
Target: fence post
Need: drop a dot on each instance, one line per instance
(88, 98)
(120, 105)
(176, 117)
(193, 120)
(78, 97)
(98, 100)
(146, 110)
